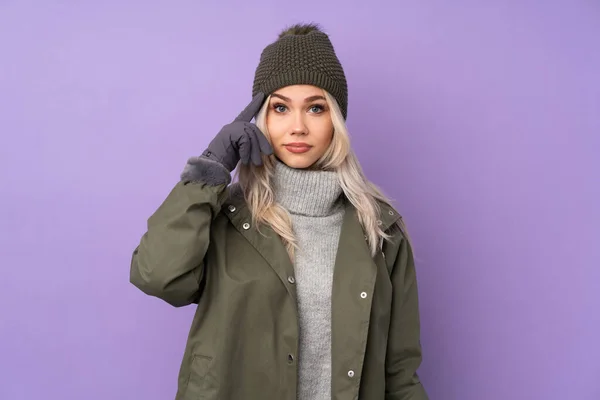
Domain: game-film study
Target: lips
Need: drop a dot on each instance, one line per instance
(297, 147)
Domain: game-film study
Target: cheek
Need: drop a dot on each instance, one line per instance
(325, 133)
(274, 129)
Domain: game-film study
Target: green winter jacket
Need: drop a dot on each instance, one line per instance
(200, 247)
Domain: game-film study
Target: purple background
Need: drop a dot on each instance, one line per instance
(480, 118)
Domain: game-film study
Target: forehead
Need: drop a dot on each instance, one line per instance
(299, 92)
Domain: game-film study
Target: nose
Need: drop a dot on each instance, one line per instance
(298, 124)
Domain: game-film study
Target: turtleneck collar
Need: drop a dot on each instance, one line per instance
(314, 193)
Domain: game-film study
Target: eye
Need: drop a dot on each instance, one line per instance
(317, 108)
(279, 108)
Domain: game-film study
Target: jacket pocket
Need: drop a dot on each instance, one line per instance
(196, 386)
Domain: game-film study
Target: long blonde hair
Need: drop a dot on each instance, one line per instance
(339, 157)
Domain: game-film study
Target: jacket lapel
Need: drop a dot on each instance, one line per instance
(353, 286)
(353, 283)
(266, 242)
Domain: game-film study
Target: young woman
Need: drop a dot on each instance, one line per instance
(302, 271)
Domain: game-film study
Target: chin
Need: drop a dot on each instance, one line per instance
(298, 162)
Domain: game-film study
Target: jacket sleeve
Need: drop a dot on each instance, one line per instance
(403, 356)
(168, 263)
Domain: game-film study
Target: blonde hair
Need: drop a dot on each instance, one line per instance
(339, 157)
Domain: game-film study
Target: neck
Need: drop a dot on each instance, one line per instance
(308, 192)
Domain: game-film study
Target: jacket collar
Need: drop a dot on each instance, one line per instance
(388, 216)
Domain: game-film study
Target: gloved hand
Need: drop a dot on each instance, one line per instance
(240, 140)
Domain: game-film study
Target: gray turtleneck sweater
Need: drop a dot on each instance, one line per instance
(313, 199)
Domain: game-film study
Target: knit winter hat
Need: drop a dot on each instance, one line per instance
(303, 54)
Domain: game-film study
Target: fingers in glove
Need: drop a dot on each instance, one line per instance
(254, 147)
(245, 147)
(251, 109)
(263, 142)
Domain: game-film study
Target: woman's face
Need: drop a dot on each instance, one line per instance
(299, 123)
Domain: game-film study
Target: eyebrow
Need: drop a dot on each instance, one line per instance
(306, 100)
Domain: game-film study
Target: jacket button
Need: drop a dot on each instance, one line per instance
(391, 212)
(290, 359)
(363, 295)
(351, 374)
(246, 225)
(231, 208)
(379, 222)
(291, 279)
